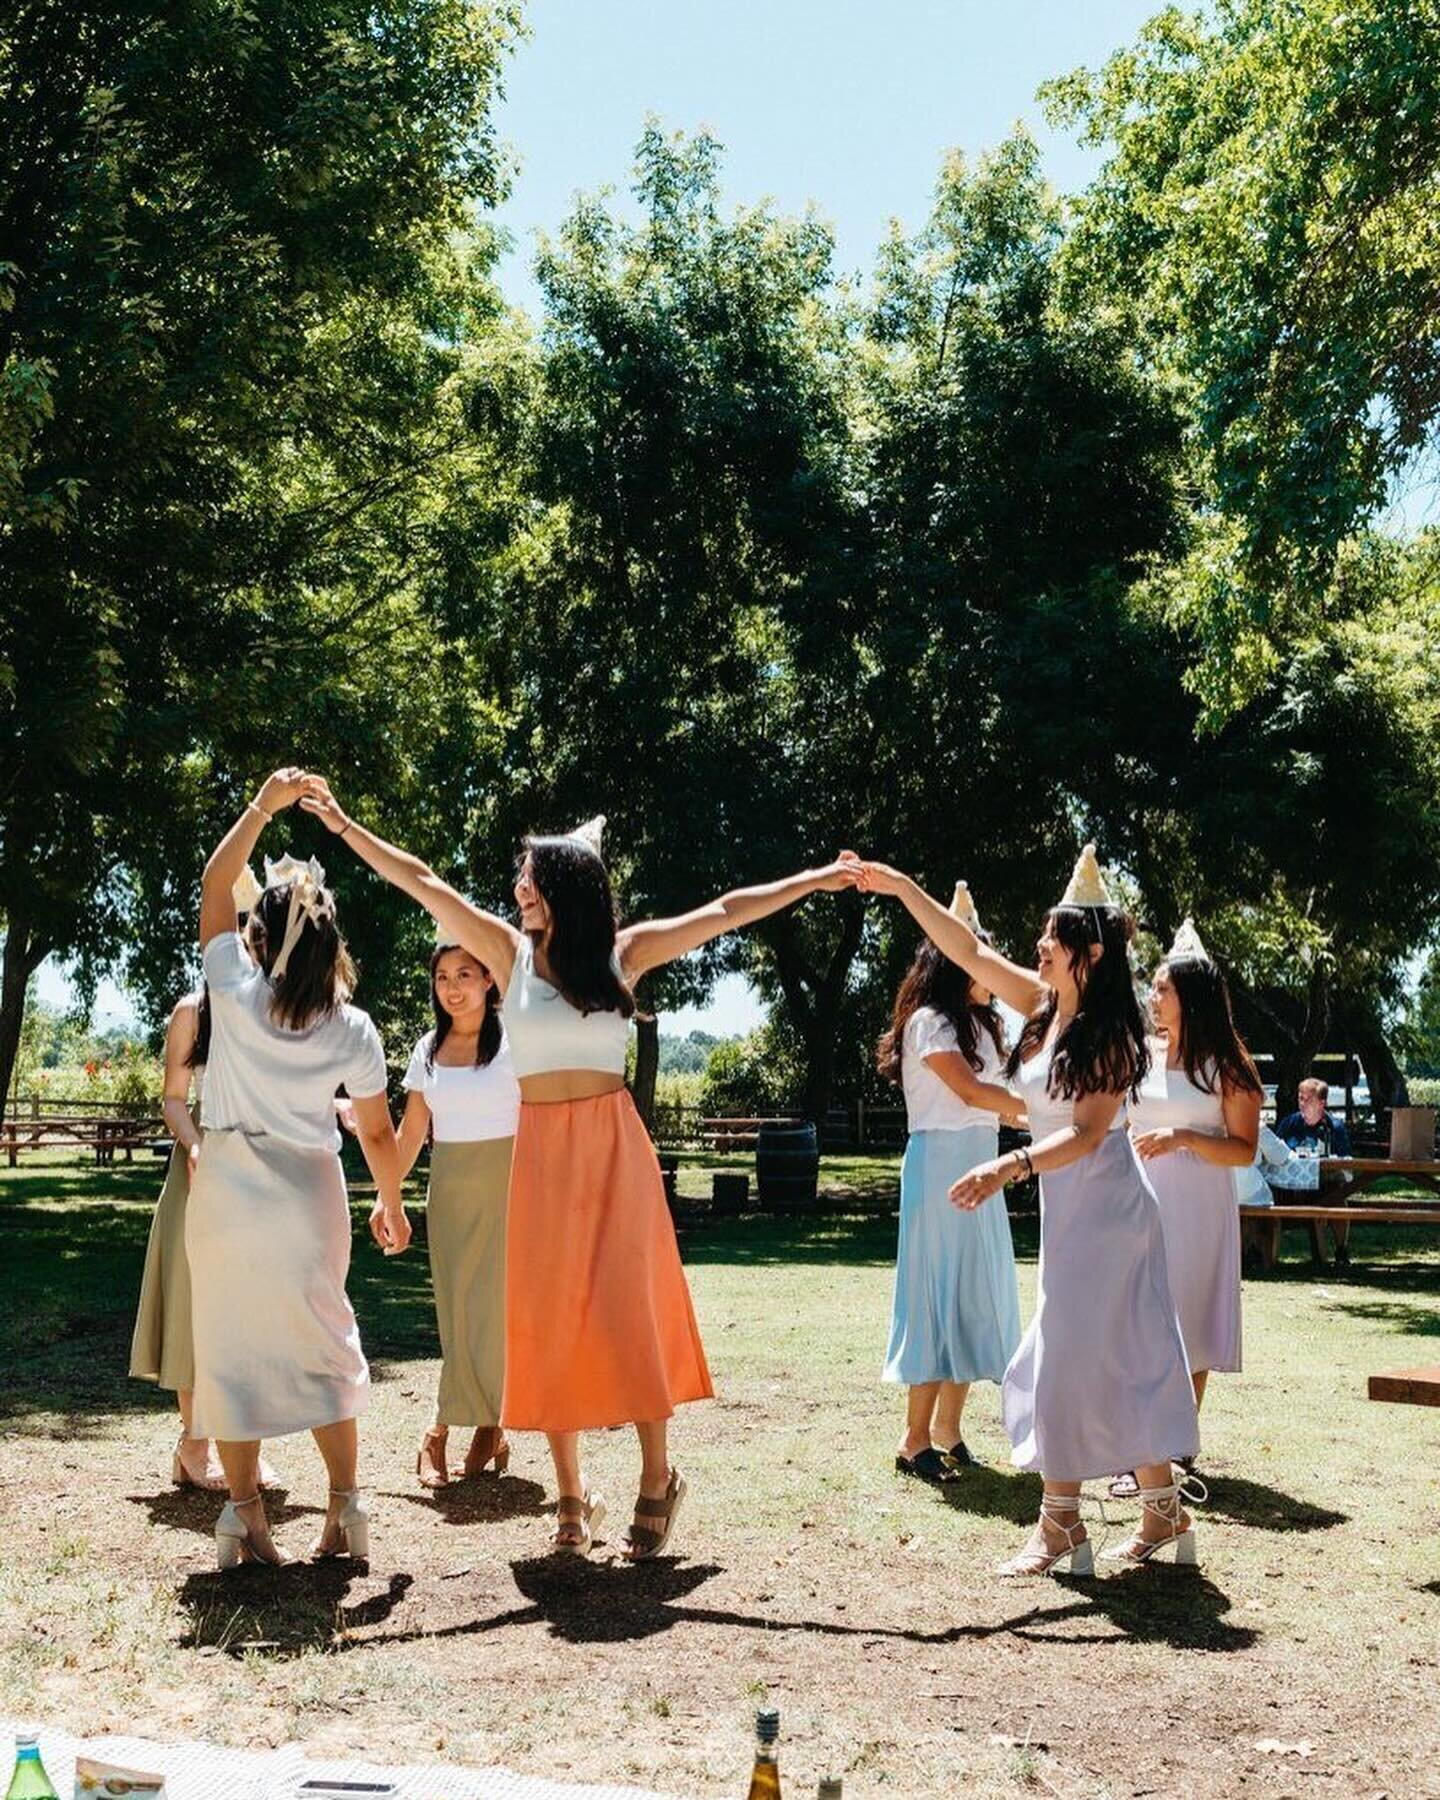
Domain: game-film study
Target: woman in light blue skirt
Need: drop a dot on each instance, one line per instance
(956, 1312)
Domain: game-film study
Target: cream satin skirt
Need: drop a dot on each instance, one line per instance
(267, 1233)
(161, 1348)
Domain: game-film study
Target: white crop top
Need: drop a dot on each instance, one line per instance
(547, 1033)
(467, 1103)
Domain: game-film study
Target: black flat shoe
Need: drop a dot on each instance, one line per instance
(929, 1466)
(958, 1455)
(1124, 1487)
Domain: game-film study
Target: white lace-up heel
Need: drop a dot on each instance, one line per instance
(1063, 1512)
(353, 1526)
(1163, 1503)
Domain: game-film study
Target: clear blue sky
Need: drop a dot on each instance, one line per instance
(849, 103)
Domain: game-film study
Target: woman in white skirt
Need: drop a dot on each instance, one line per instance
(955, 1318)
(462, 1092)
(267, 1228)
(1102, 1363)
(1195, 1121)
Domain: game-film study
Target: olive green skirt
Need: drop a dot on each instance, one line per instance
(162, 1348)
(465, 1224)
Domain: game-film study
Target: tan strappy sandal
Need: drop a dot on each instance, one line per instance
(433, 1445)
(582, 1516)
(644, 1541)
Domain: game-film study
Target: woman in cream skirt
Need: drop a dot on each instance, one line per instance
(267, 1228)
(462, 1092)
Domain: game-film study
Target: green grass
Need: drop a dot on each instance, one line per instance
(805, 1570)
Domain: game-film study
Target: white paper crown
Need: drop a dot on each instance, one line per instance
(1188, 942)
(590, 833)
(1087, 884)
(310, 902)
(963, 906)
(246, 890)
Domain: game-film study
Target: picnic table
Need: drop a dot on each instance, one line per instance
(1357, 1174)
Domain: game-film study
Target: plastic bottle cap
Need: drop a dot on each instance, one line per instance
(24, 1740)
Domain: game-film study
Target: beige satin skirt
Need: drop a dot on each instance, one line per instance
(465, 1224)
(161, 1349)
(267, 1232)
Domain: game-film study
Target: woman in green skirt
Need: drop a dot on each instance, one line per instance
(462, 1092)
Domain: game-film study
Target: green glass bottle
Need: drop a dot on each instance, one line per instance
(29, 1782)
(765, 1781)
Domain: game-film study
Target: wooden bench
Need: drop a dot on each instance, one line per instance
(1408, 1387)
(104, 1135)
(1353, 1175)
(1261, 1226)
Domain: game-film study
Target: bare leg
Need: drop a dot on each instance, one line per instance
(654, 1458)
(569, 1482)
(430, 1464)
(1199, 1377)
(1054, 1537)
(241, 1463)
(919, 1407)
(948, 1407)
(339, 1444)
(196, 1456)
(1153, 1525)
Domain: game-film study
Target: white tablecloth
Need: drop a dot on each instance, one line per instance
(206, 1772)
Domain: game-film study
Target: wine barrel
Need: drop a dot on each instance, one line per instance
(787, 1165)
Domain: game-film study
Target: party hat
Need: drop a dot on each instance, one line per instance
(963, 906)
(1087, 884)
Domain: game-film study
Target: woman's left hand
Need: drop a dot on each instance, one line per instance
(975, 1189)
(1150, 1144)
(390, 1230)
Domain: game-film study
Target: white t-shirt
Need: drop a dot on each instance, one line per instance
(467, 1104)
(930, 1105)
(270, 1081)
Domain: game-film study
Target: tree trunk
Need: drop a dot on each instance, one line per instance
(814, 996)
(1298, 1048)
(23, 954)
(647, 1067)
(1360, 1024)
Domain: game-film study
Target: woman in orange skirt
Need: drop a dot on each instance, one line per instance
(600, 1329)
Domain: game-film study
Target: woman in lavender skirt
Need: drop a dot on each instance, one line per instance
(1100, 1380)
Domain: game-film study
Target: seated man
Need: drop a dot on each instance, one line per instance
(1312, 1130)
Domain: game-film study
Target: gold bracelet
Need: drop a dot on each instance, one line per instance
(255, 807)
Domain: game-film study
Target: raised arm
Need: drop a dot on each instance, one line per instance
(1019, 988)
(180, 1035)
(230, 855)
(654, 942)
(492, 939)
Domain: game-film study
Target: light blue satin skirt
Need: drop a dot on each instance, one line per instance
(956, 1313)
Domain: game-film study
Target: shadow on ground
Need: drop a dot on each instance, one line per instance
(284, 1612)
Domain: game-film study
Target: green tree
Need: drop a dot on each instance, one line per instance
(231, 293)
(1265, 226)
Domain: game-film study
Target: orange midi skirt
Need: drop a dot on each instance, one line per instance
(599, 1327)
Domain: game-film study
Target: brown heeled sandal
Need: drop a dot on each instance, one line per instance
(498, 1452)
(439, 1474)
(644, 1541)
(577, 1524)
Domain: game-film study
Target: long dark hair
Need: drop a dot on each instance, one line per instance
(319, 975)
(1102, 1050)
(933, 980)
(200, 1049)
(580, 949)
(488, 1042)
(1212, 1051)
